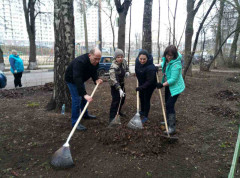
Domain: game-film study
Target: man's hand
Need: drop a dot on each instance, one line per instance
(15, 71)
(99, 81)
(121, 93)
(88, 98)
(127, 74)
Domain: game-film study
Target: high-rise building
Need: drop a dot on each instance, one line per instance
(13, 25)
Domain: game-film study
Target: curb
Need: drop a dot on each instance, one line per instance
(32, 71)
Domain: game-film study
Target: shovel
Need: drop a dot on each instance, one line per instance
(164, 116)
(62, 158)
(116, 121)
(136, 122)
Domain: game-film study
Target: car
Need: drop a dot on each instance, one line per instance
(104, 65)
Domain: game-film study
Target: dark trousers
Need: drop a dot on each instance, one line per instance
(170, 101)
(17, 79)
(116, 100)
(145, 97)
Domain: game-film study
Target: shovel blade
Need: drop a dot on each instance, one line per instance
(135, 122)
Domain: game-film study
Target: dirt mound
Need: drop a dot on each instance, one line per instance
(228, 95)
(222, 111)
(141, 143)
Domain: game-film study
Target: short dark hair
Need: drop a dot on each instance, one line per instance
(171, 49)
(143, 52)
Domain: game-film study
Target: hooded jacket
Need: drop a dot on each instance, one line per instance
(173, 73)
(16, 63)
(146, 73)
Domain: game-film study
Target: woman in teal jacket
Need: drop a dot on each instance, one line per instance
(17, 68)
(173, 82)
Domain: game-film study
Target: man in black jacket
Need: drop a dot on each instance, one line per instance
(79, 71)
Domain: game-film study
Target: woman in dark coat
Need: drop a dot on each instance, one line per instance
(146, 75)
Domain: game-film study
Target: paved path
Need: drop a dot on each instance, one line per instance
(31, 79)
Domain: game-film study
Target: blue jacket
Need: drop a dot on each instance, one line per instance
(146, 73)
(16, 63)
(174, 75)
(3, 80)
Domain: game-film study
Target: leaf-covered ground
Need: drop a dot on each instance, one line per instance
(208, 115)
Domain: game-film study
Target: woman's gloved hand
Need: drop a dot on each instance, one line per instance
(159, 85)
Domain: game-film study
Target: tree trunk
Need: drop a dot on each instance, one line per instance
(2, 65)
(202, 64)
(219, 29)
(100, 25)
(174, 23)
(64, 51)
(85, 25)
(129, 37)
(122, 11)
(233, 51)
(147, 26)
(29, 12)
(158, 45)
(189, 57)
(188, 35)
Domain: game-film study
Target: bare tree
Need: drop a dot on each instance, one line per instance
(122, 9)
(233, 52)
(174, 23)
(190, 56)
(100, 24)
(129, 37)
(170, 27)
(219, 29)
(147, 26)
(191, 12)
(30, 17)
(64, 51)
(110, 8)
(158, 45)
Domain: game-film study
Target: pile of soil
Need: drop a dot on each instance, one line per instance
(207, 125)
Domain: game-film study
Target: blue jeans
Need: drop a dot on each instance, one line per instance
(78, 102)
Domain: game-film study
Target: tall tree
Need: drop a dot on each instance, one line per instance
(147, 26)
(100, 24)
(85, 24)
(122, 9)
(174, 23)
(233, 51)
(30, 17)
(158, 38)
(219, 29)
(64, 51)
(110, 8)
(190, 56)
(191, 12)
(129, 37)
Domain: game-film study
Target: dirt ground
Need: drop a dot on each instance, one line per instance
(208, 115)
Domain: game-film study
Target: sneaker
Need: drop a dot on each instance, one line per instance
(144, 120)
(141, 113)
(80, 127)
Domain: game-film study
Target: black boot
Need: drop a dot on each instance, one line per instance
(171, 124)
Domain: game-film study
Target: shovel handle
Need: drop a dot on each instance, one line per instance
(80, 117)
(163, 110)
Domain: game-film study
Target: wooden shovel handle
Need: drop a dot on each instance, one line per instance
(163, 110)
